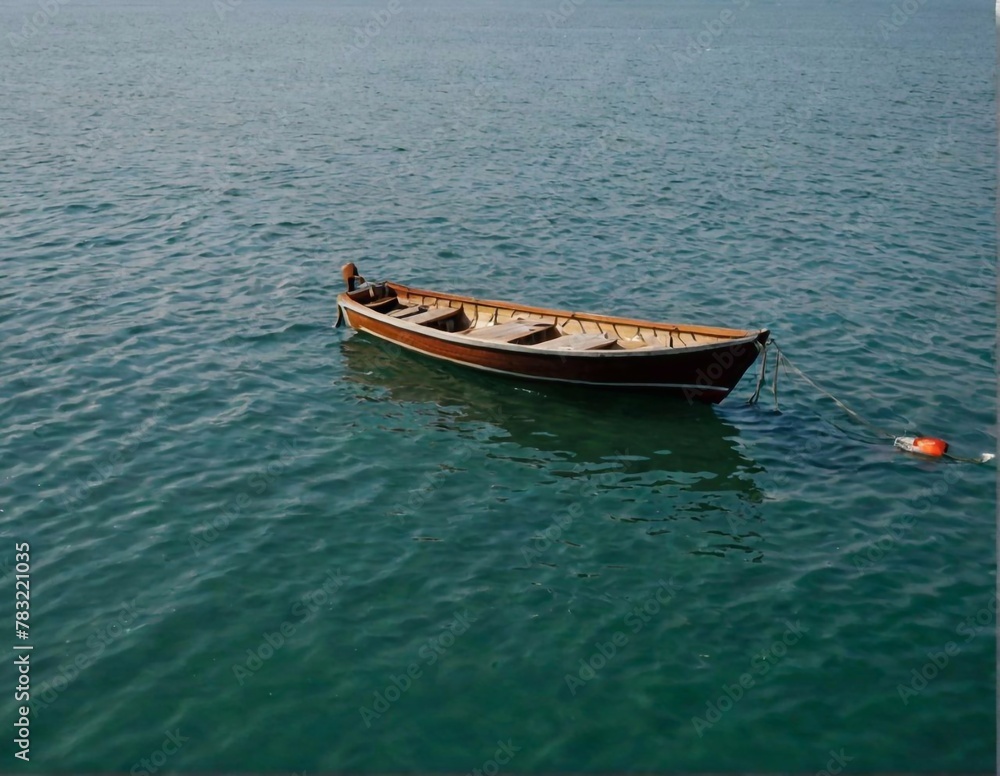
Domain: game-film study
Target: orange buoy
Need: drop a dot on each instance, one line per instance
(922, 445)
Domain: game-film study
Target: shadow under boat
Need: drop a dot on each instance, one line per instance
(585, 427)
(683, 458)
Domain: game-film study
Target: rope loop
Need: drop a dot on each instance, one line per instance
(780, 358)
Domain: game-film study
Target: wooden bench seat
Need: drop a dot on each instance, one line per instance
(434, 315)
(406, 312)
(510, 331)
(381, 304)
(577, 342)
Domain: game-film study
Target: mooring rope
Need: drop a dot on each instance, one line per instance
(774, 385)
(857, 416)
(780, 358)
(760, 378)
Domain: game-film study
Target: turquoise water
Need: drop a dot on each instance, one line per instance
(259, 543)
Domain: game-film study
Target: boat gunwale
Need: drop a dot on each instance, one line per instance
(741, 336)
(718, 331)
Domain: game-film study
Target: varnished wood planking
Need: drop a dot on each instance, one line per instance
(699, 362)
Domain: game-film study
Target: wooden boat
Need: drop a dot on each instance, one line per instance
(699, 363)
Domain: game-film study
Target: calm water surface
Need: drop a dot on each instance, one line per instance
(290, 547)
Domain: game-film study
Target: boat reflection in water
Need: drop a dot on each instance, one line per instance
(667, 463)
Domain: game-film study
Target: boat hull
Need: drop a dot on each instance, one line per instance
(704, 374)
